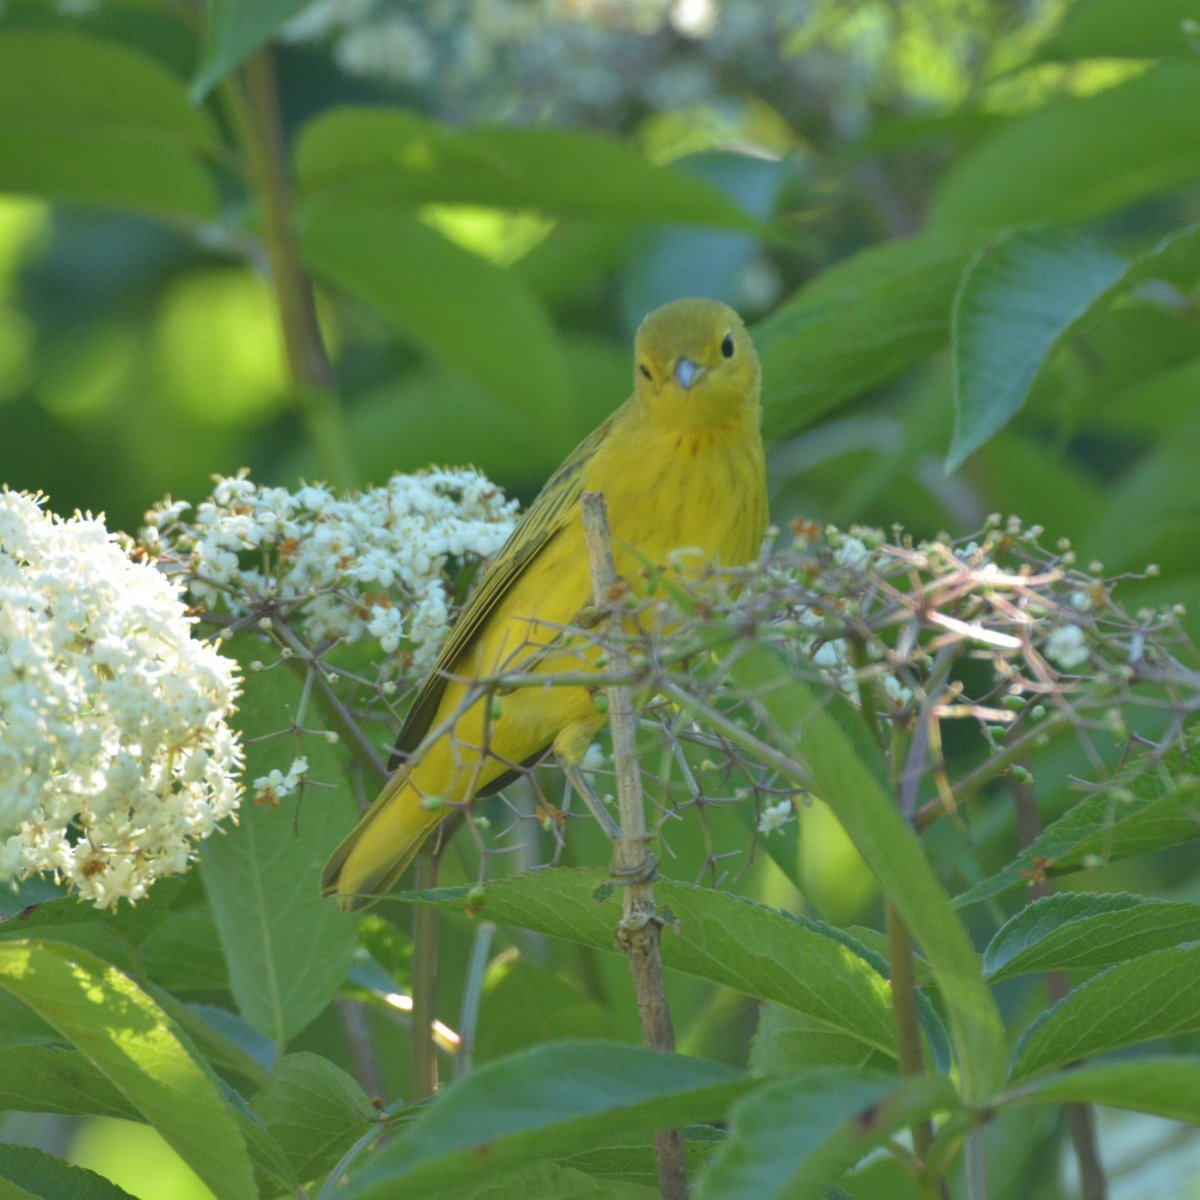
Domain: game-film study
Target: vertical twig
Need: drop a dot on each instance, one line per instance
(254, 110)
(904, 1010)
(468, 1019)
(1080, 1118)
(640, 927)
(362, 1050)
(424, 982)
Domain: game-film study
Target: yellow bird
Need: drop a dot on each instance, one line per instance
(680, 465)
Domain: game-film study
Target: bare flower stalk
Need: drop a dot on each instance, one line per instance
(640, 928)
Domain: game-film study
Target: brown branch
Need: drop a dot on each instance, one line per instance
(640, 928)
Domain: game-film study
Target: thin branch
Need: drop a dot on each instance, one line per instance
(424, 983)
(640, 928)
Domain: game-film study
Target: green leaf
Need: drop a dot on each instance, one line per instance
(1152, 996)
(858, 323)
(1018, 299)
(1079, 158)
(235, 29)
(1103, 827)
(57, 1079)
(477, 318)
(540, 1105)
(314, 1111)
(1120, 29)
(548, 1181)
(30, 1174)
(1086, 931)
(87, 120)
(822, 732)
(129, 1040)
(525, 1003)
(788, 1043)
(1166, 1087)
(288, 950)
(398, 159)
(796, 1137)
(762, 952)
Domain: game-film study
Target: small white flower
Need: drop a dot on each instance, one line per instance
(1067, 647)
(775, 816)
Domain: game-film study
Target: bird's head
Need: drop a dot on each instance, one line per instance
(695, 366)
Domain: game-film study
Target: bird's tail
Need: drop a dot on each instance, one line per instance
(377, 850)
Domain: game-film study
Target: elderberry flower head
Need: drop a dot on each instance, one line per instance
(366, 567)
(116, 756)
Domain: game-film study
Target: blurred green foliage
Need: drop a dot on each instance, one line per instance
(944, 219)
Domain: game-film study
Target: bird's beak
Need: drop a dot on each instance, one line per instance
(686, 372)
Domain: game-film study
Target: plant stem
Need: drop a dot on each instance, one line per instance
(904, 1010)
(257, 120)
(472, 993)
(640, 927)
(1080, 1119)
(424, 982)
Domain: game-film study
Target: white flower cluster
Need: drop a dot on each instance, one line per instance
(776, 816)
(115, 753)
(366, 566)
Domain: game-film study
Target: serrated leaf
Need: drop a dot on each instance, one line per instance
(476, 318)
(1018, 298)
(1079, 158)
(396, 158)
(856, 324)
(540, 1105)
(718, 936)
(129, 1040)
(795, 1137)
(314, 1111)
(235, 29)
(84, 119)
(1148, 997)
(1166, 1087)
(27, 1173)
(287, 949)
(1086, 931)
(1105, 827)
(828, 741)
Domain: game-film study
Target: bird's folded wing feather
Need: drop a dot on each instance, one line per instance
(556, 504)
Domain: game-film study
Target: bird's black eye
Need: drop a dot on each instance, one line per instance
(727, 346)
(645, 370)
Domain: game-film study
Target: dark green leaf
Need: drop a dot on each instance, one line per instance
(1103, 827)
(796, 1137)
(1080, 158)
(718, 936)
(1152, 996)
(314, 1111)
(540, 1105)
(1085, 931)
(129, 1040)
(398, 159)
(1166, 1087)
(288, 950)
(57, 1079)
(476, 317)
(93, 121)
(548, 1181)
(841, 766)
(1018, 299)
(235, 29)
(790, 1043)
(856, 324)
(30, 1174)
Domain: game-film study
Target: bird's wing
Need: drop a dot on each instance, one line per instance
(555, 505)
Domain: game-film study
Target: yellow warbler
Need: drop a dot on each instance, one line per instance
(680, 465)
